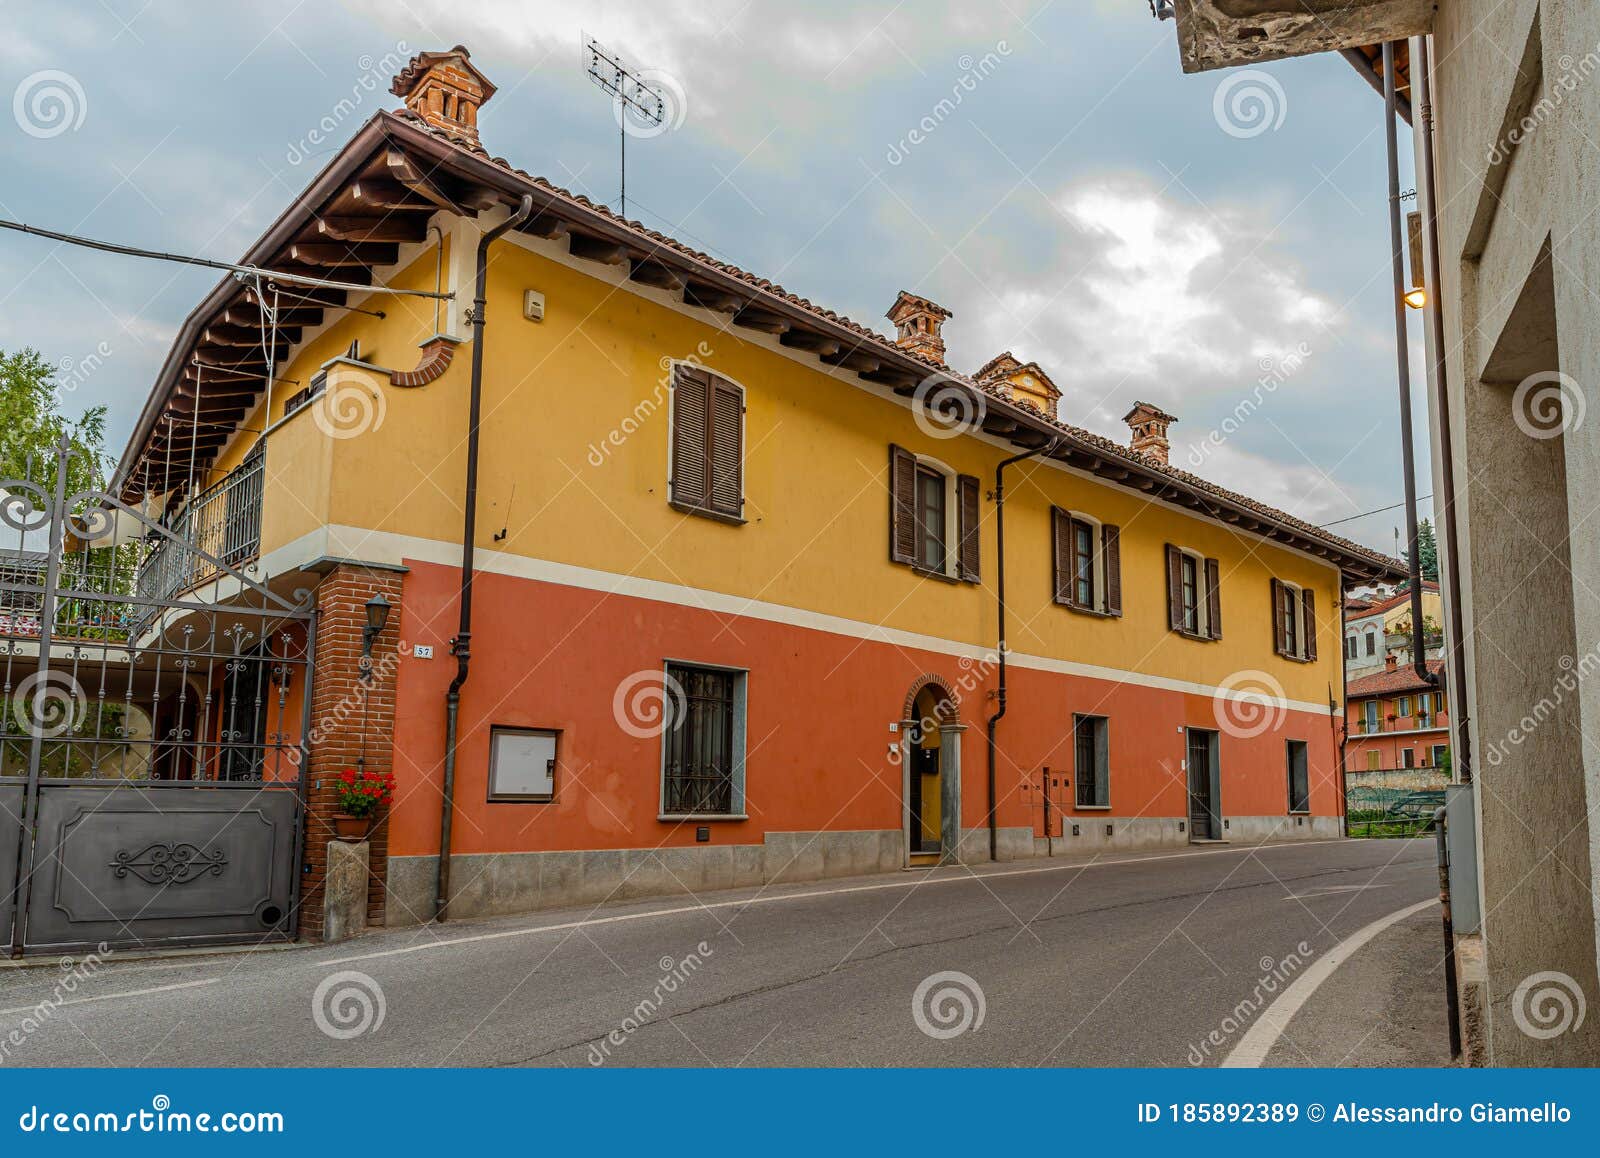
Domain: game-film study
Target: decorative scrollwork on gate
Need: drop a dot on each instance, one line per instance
(163, 863)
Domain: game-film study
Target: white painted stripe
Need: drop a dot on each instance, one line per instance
(955, 877)
(1257, 1043)
(111, 996)
(343, 542)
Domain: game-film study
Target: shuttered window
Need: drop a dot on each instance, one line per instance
(1294, 621)
(1087, 564)
(922, 499)
(707, 443)
(1194, 594)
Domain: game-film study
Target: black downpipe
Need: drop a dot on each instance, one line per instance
(1419, 655)
(461, 645)
(1422, 78)
(1000, 589)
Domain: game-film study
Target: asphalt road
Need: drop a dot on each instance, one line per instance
(1138, 960)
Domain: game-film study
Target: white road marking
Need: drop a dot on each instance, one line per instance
(919, 882)
(1336, 890)
(1252, 1050)
(110, 996)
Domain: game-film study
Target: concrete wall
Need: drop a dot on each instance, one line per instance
(1518, 99)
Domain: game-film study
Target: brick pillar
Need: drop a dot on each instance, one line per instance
(343, 712)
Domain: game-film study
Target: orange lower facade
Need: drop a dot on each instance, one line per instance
(823, 726)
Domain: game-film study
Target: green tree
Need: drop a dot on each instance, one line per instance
(1427, 554)
(31, 424)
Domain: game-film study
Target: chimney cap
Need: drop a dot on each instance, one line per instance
(1146, 411)
(907, 304)
(1391, 662)
(407, 79)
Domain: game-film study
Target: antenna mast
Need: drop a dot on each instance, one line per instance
(630, 96)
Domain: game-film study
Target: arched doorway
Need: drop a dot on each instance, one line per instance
(931, 763)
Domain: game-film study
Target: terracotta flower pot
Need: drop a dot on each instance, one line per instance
(349, 827)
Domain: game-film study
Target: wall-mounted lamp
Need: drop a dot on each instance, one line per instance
(377, 618)
(1417, 298)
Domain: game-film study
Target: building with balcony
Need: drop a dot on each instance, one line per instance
(1397, 721)
(734, 585)
(1377, 628)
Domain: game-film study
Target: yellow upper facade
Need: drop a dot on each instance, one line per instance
(574, 470)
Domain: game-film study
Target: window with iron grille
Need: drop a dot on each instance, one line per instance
(703, 747)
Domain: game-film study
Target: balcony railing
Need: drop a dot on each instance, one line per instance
(223, 521)
(1398, 724)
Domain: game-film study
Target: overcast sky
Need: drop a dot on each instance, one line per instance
(1043, 170)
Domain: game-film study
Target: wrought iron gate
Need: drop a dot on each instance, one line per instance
(153, 740)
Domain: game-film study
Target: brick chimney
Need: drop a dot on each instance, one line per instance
(445, 90)
(1149, 425)
(1391, 662)
(917, 322)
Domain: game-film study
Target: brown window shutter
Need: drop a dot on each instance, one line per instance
(1061, 555)
(1174, 588)
(1111, 553)
(902, 505)
(1309, 604)
(967, 514)
(691, 404)
(1278, 643)
(1213, 599)
(727, 448)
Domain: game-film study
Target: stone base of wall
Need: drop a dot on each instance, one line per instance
(344, 890)
(507, 883)
(1472, 981)
(500, 884)
(1128, 833)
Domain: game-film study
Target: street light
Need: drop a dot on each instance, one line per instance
(1416, 298)
(377, 617)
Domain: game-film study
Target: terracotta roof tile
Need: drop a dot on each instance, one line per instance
(1384, 683)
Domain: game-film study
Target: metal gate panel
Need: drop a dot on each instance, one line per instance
(12, 797)
(155, 697)
(127, 867)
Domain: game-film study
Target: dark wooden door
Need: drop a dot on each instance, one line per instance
(1200, 785)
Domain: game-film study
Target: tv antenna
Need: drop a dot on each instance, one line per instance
(631, 96)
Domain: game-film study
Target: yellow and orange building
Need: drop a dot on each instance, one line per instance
(736, 575)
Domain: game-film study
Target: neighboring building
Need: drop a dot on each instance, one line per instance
(1377, 629)
(1513, 115)
(1395, 721)
(734, 605)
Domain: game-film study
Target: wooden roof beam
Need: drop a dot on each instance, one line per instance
(596, 249)
(337, 255)
(403, 229)
(710, 298)
(767, 323)
(812, 342)
(653, 273)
